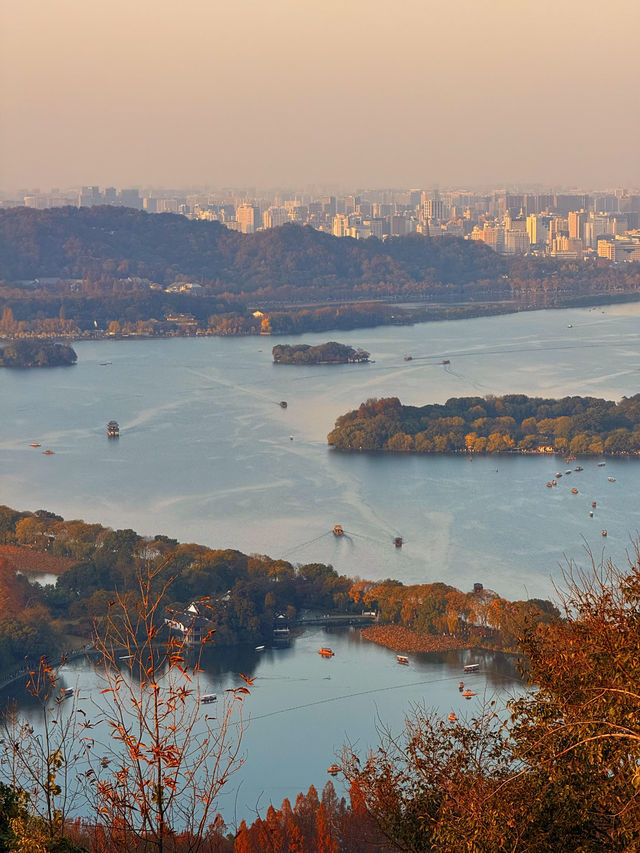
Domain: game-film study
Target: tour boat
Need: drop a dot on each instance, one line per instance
(208, 698)
(259, 648)
(48, 452)
(398, 541)
(558, 474)
(67, 692)
(113, 430)
(446, 361)
(554, 482)
(593, 504)
(604, 532)
(549, 485)
(568, 472)
(35, 444)
(574, 491)
(461, 686)
(326, 652)
(601, 464)
(471, 667)
(402, 659)
(590, 513)
(578, 468)
(452, 717)
(337, 530)
(611, 479)
(334, 769)
(283, 404)
(468, 694)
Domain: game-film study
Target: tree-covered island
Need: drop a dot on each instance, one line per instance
(36, 353)
(514, 423)
(329, 353)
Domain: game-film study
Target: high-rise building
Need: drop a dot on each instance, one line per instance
(248, 217)
(273, 217)
(577, 218)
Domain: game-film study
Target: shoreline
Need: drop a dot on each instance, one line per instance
(401, 639)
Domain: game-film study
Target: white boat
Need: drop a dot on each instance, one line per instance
(471, 667)
(208, 698)
(259, 648)
(403, 659)
(67, 692)
(611, 479)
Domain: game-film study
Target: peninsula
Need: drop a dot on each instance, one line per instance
(329, 353)
(510, 424)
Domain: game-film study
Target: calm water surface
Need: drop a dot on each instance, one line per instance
(303, 708)
(205, 453)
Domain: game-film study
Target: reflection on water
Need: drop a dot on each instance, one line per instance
(303, 708)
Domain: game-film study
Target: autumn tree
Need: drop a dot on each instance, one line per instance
(156, 778)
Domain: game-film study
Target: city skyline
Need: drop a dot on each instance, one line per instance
(333, 93)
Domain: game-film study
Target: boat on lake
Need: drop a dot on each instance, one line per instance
(471, 667)
(113, 429)
(260, 648)
(468, 693)
(48, 452)
(452, 717)
(208, 698)
(604, 532)
(601, 464)
(326, 652)
(283, 404)
(549, 484)
(574, 491)
(35, 444)
(578, 468)
(402, 659)
(337, 530)
(398, 541)
(67, 692)
(334, 769)
(611, 479)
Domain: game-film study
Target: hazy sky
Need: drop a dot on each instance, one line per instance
(296, 92)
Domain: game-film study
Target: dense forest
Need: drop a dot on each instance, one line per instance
(109, 270)
(74, 243)
(247, 592)
(329, 353)
(510, 424)
(36, 354)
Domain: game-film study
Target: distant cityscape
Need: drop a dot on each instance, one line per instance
(566, 225)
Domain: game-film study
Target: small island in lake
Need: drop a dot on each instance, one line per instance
(510, 424)
(36, 353)
(329, 353)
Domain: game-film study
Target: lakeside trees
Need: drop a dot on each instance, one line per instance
(512, 423)
(329, 353)
(36, 354)
(560, 773)
(69, 271)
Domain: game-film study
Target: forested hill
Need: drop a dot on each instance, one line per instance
(120, 242)
(513, 423)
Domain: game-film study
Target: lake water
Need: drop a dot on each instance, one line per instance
(205, 453)
(303, 708)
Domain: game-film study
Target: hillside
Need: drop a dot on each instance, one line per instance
(73, 243)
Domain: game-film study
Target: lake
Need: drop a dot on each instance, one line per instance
(206, 454)
(303, 708)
